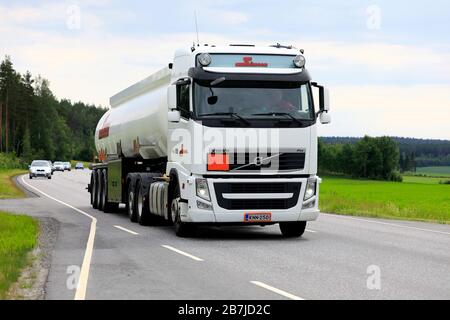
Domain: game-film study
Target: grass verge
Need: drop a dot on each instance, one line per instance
(426, 201)
(18, 236)
(8, 188)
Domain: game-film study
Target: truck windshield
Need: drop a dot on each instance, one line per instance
(289, 101)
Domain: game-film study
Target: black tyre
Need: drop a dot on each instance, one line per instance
(31, 177)
(92, 188)
(131, 203)
(293, 229)
(182, 229)
(100, 191)
(104, 194)
(108, 207)
(144, 217)
(98, 187)
(49, 177)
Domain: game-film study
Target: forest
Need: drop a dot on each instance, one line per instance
(413, 152)
(34, 124)
(371, 158)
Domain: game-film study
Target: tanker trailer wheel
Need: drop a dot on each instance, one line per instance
(144, 217)
(131, 202)
(100, 190)
(293, 229)
(94, 189)
(182, 229)
(108, 207)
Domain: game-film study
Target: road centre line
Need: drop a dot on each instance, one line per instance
(126, 230)
(277, 291)
(182, 253)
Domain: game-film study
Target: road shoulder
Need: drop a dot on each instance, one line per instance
(33, 279)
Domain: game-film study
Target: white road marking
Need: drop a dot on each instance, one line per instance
(392, 224)
(126, 230)
(80, 293)
(278, 291)
(309, 230)
(182, 253)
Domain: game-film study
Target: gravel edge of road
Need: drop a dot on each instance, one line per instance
(33, 279)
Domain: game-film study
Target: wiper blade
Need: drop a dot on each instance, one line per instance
(231, 114)
(282, 114)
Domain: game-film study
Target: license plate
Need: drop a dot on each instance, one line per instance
(258, 217)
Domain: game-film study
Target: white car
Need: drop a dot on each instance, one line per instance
(40, 168)
(59, 166)
(67, 166)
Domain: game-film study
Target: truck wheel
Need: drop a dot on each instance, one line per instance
(293, 229)
(144, 217)
(31, 177)
(182, 229)
(94, 190)
(131, 203)
(100, 190)
(108, 207)
(49, 177)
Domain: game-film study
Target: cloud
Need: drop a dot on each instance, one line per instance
(415, 111)
(51, 14)
(92, 64)
(232, 17)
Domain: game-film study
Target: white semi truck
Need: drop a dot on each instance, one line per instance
(222, 136)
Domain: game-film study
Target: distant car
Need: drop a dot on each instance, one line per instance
(67, 166)
(40, 168)
(79, 166)
(59, 166)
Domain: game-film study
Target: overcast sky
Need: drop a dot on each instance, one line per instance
(387, 63)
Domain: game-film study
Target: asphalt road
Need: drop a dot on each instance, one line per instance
(337, 258)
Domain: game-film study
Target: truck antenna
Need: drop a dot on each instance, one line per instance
(196, 28)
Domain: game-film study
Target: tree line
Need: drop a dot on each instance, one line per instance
(413, 152)
(371, 158)
(34, 124)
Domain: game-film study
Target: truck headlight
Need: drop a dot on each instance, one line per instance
(201, 186)
(310, 189)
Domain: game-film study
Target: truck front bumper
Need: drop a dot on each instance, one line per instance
(233, 198)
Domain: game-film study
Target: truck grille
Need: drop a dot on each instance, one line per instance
(253, 162)
(257, 188)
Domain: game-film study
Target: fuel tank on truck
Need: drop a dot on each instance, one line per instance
(136, 124)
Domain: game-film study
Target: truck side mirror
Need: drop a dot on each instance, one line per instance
(325, 118)
(326, 100)
(324, 97)
(174, 116)
(172, 97)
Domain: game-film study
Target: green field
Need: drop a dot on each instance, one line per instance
(434, 171)
(424, 180)
(8, 189)
(415, 199)
(18, 236)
